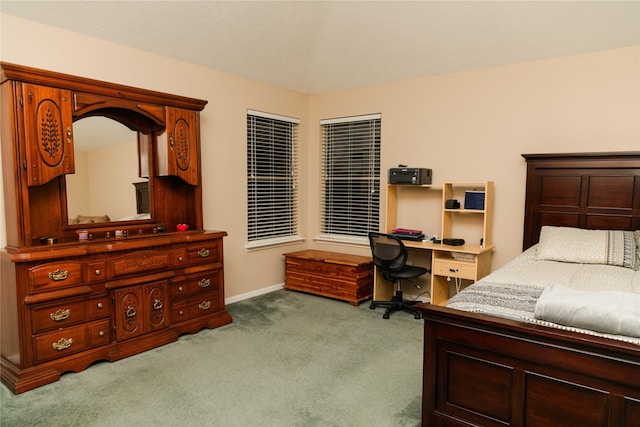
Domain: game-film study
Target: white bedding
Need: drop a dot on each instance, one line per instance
(530, 277)
(610, 312)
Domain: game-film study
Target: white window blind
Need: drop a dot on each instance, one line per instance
(271, 178)
(350, 176)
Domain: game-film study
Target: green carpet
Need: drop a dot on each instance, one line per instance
(288, 359)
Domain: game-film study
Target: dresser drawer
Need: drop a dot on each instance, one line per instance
(48, 316)
(140, 262)
(66, 341)
(463, 270)
(178, 257)
(196, 284)
(207, 252)
(193, 307)
(63, 313)
(99, 333)
(96, 271)
(55, 275)
(98, 307)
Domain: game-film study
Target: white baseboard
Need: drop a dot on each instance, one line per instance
(255, 293)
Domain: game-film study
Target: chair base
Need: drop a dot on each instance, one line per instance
(397, 304)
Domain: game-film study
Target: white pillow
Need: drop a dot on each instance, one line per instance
(569, 244)
(609, 247)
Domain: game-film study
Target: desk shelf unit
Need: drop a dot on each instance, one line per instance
(457, 265)
(483, 217)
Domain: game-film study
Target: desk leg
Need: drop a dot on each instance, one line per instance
(439, 289)
(383, 290)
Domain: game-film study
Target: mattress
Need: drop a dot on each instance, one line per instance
(514, 291)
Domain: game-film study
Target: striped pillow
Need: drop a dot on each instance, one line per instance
(609, 247)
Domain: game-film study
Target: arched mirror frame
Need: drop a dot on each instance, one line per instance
(38, 206)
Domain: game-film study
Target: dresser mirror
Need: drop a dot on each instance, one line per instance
(147, 180)
(109, 183)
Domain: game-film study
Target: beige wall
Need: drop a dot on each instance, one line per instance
(465, 126)
(474, 126)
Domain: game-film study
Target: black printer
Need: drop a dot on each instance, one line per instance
(417, 176)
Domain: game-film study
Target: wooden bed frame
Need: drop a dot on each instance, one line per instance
(486, 371)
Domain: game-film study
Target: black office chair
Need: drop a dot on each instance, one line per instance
(390, 256)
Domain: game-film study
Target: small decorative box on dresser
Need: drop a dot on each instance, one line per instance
(330, 274)
(113, 285)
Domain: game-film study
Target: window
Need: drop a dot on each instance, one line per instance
(350, 177)
(271, 179)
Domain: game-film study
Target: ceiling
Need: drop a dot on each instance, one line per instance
(325, 46)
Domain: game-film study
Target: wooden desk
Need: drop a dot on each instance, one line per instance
(443, 266)
(335, 275)
(447, 270)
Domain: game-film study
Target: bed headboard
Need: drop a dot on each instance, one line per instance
(585, 190)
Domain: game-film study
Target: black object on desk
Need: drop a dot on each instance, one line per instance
(453, 242)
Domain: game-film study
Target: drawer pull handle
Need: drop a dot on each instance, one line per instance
(60, 314)
(63, 344)
(58, 275)
(100, 305)
(180, 289)
(157, 304)
(131, 311)
(204, 283)
(101, 333)
(204, 252)
(204, 305)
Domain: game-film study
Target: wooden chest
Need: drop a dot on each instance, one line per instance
(330, 274)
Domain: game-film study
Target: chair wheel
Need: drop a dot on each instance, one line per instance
(372, 306)
(385, 316)
(417, 316)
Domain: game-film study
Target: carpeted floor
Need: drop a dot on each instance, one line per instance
(289, 359)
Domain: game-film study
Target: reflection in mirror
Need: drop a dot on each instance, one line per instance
(106, 186)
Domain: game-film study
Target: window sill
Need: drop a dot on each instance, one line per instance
(268, 243)
(339, 238)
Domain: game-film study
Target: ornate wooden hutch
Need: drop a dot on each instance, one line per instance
(79, 287)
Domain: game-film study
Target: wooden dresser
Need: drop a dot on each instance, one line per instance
(106, 288)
